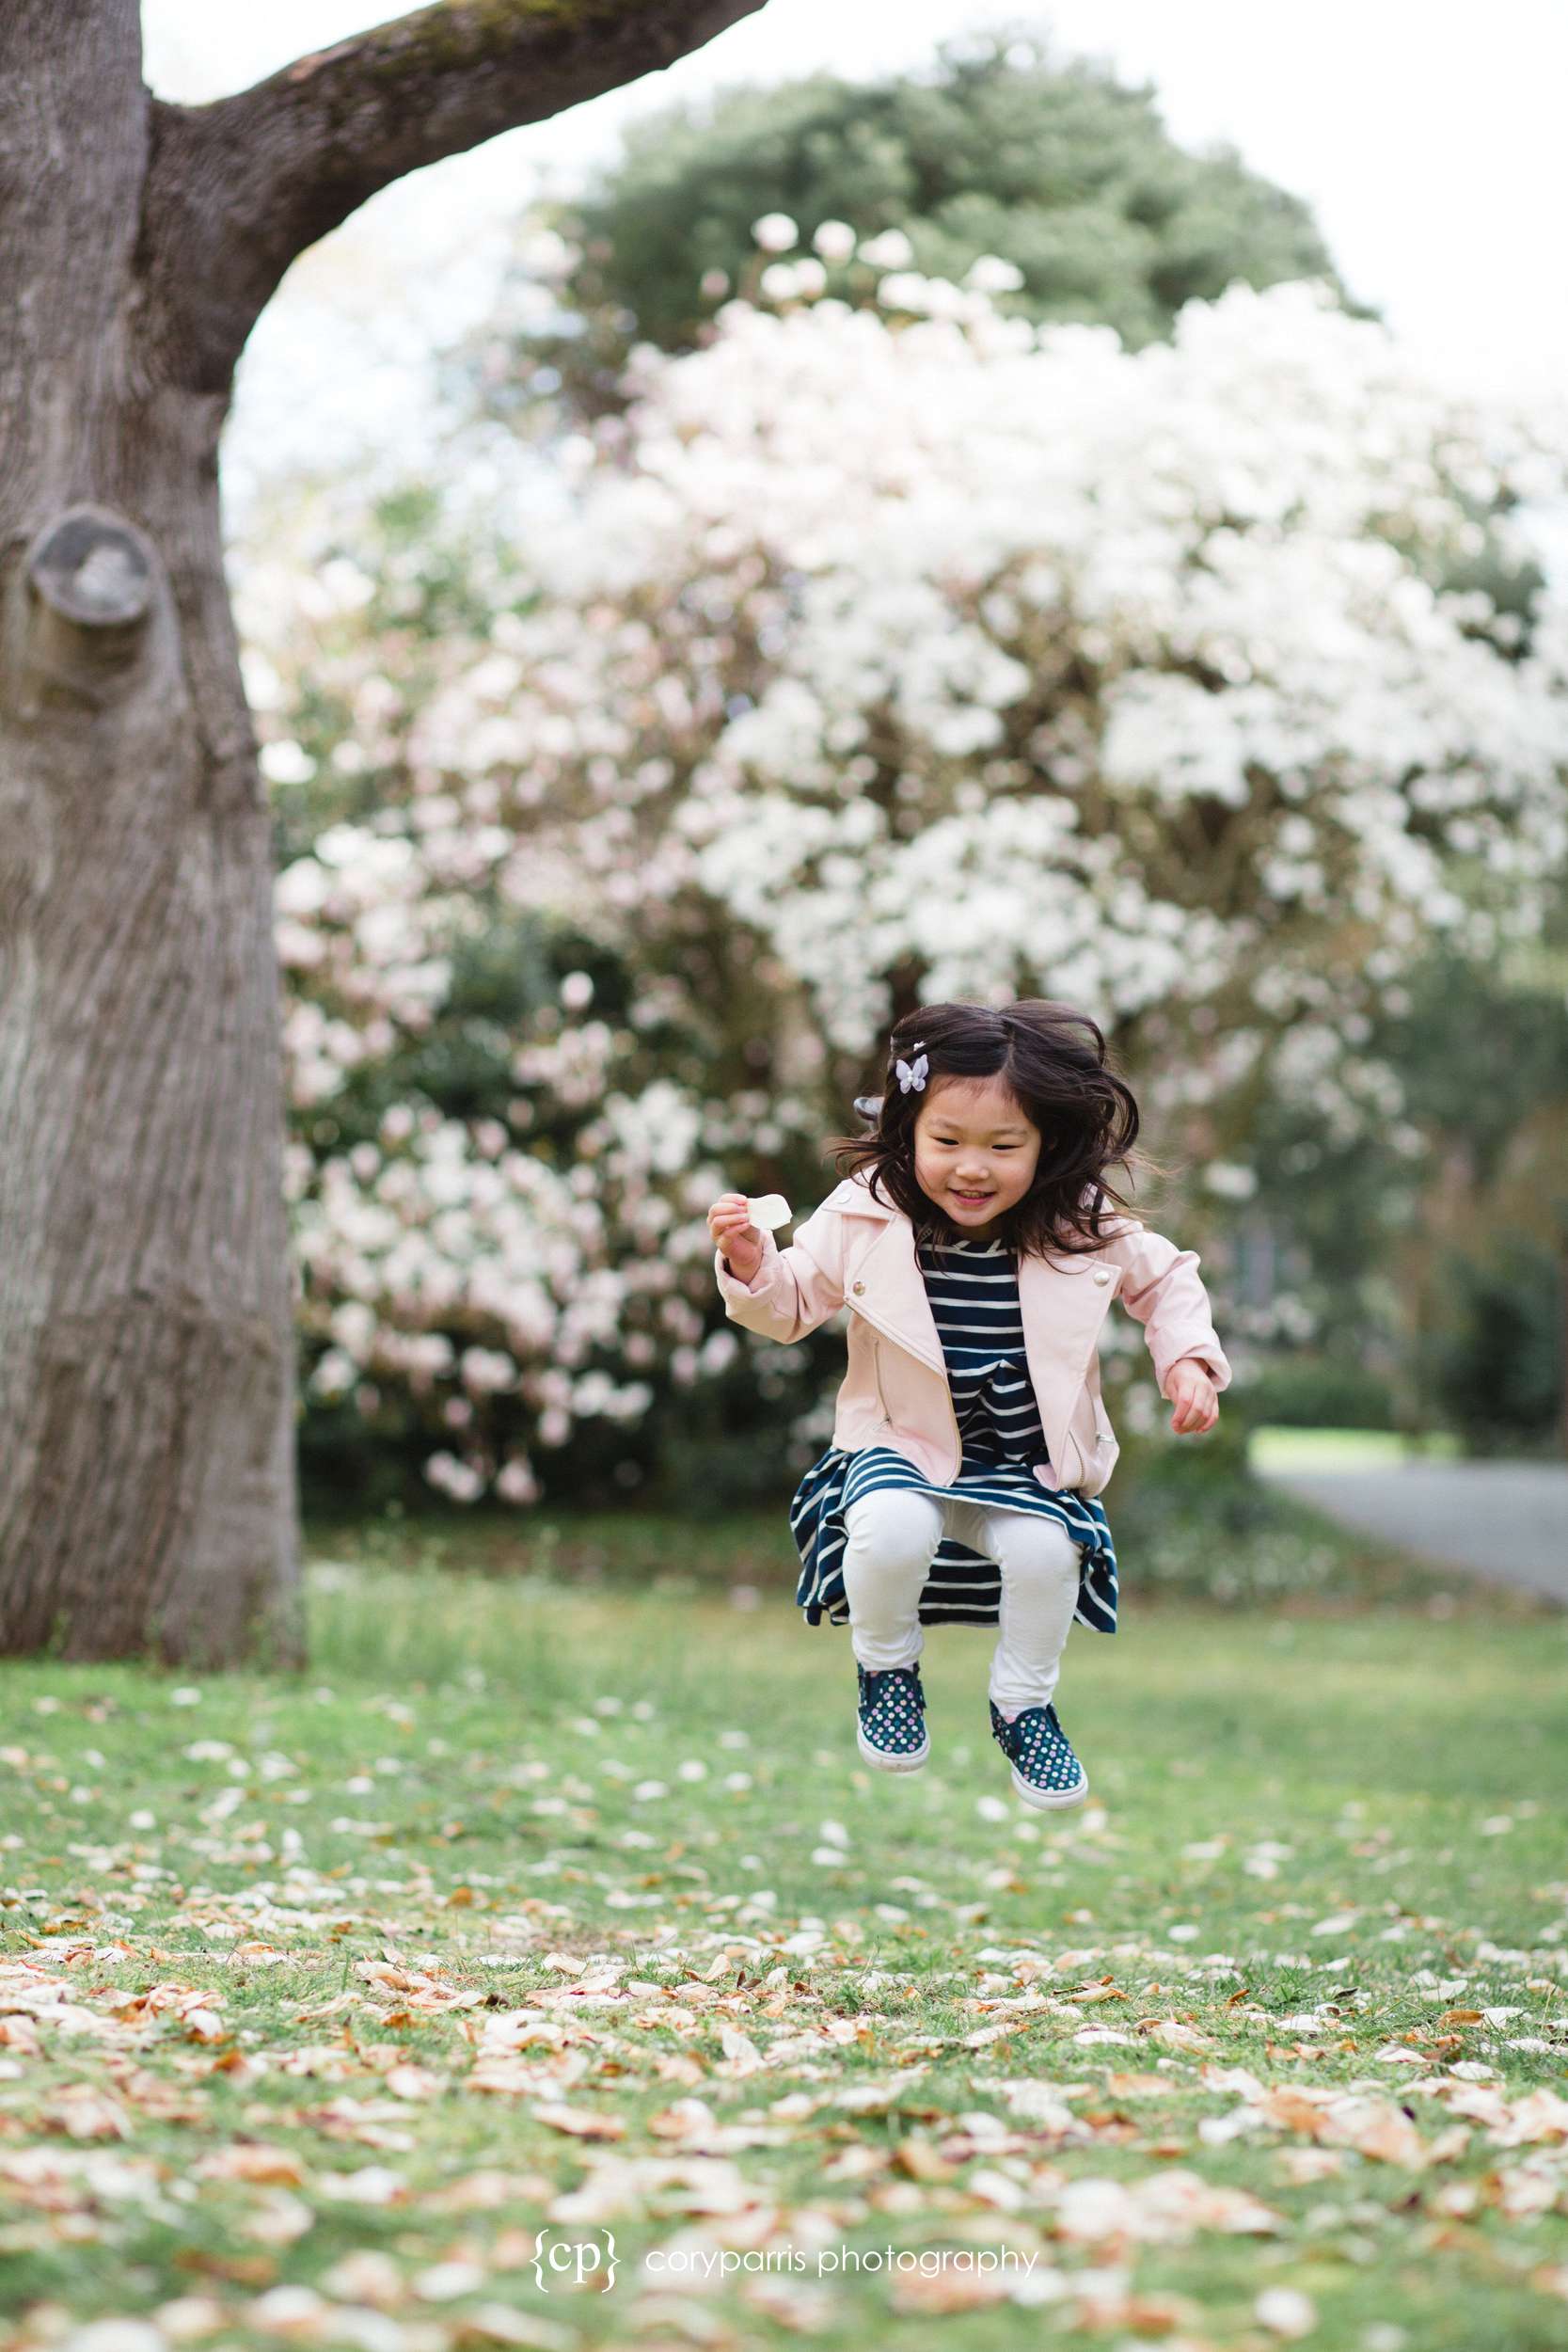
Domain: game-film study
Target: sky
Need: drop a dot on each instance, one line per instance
(1427, 142)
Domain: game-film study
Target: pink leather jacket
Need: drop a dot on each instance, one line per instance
(859, 1252)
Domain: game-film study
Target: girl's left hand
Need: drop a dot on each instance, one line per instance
(1196, 1399)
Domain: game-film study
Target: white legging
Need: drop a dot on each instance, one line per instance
(893, 1536)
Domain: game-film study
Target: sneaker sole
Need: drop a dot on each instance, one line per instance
(911, 1761)
(1050, 1800)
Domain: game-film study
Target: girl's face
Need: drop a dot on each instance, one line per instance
(975, 1151)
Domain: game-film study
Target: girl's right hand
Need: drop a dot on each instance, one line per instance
(729, 1222)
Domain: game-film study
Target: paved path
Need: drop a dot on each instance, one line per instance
(1507, 1521)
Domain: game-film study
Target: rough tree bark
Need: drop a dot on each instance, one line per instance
(146, 1395)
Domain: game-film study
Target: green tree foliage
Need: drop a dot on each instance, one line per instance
(1003, 149)
(1496, 1360)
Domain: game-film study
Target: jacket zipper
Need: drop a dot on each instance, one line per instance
(947, 1388)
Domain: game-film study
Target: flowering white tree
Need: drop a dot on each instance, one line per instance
(881, 656)
(1123, 675)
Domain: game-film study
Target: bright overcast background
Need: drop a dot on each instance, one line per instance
(1428, 141)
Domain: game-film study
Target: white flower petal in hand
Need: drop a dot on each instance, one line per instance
(768, 1211)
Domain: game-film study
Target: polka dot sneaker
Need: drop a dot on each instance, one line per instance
(892, 1729)
(1046, 1772)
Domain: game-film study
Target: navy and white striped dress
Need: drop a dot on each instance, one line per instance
(972, 1287)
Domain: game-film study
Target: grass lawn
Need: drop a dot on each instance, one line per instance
(1282, 1449)
(533, 1907)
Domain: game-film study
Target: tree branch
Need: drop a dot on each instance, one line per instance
(238, 189)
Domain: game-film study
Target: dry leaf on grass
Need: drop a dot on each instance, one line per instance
(85, 2113)
(616, 2185)
(937, 2291)
(251, 2160)
(582, 2123)
(1165, 2207)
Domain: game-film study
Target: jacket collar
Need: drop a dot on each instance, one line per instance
(855, 1197)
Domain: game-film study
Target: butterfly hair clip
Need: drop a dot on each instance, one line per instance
(912, 1074)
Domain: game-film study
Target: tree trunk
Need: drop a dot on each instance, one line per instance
(146, 1376)
(145, 1379)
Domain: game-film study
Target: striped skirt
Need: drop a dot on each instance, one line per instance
(962, 1587)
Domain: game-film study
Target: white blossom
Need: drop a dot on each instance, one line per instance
(775, 233)
(834, 240)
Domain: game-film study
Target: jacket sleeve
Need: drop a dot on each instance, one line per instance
(793, 1288)
(1162, 1292)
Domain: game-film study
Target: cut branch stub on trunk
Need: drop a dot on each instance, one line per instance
(86, 592)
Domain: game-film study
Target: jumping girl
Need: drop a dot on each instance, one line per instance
(970, 1241)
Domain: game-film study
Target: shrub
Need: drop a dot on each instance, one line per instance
(1495, 1369)
(1315, 1391)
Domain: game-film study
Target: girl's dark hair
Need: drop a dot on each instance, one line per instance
(1054, 1060)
